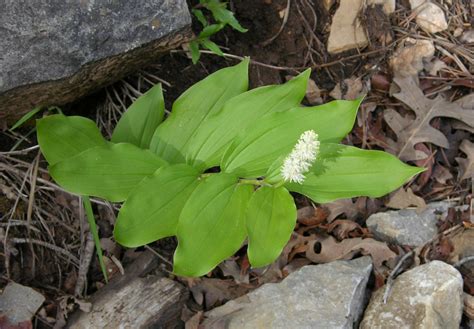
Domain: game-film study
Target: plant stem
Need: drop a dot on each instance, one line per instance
(93, 227)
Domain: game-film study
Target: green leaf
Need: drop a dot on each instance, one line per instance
(211, 227)
(271, 217)
(215, 134)
(26, 117)
(200, 17)
(223, 15)
(141, 119)
(195, 53)
(152, 210)
(210, 30)
(61, 137)
(344, 172)
(109, 172)
(212, 46)
(196, 104)
(256, 149)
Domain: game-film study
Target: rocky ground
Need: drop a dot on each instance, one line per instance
(404, 260)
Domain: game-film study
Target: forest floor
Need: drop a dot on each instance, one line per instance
(415, 97)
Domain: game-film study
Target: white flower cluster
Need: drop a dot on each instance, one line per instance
(299, 161)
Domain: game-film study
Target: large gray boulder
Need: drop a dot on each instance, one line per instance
(55, 51)
(330, 295)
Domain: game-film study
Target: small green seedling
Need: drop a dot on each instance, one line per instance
(222, 17)
(219, 170)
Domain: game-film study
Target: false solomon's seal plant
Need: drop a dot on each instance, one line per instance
(263, 143)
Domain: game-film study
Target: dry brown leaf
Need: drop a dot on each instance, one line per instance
(341, 228)
(325, 249)
(442, 174)
(194, 321)
(402, 199)
(466, 165)
(413, 131)
(463, 246)
(408, 59)
(339, 207)
(213, 292)
(350, 89)
(311, 216)
(231, 268)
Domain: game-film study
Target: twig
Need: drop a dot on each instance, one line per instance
(24, 151)
(282, 26)
(464, 261)
(86, 258)
(47, 245)
(391, 277)
(158, 255)
(413, 252)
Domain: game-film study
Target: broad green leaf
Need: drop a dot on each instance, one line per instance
(26, 117)
(344, 172)
(212, 46)
(211, 226)
(270, 219)
(256, 149)
(152, 210)
(215, 134)
(109, 172)
(139, 122)
(61, 137)
(195, 105)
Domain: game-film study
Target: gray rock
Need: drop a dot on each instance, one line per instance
(407, 226)
(346, 31)
(428, 296)
(54, 51)
(317, 296)
(19, 303)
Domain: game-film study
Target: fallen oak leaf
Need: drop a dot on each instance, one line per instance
(311, 216)
(413, 131)
(442, 174)
(342, 207)
(402, 199)
(213, 292)
(325, 249)
(342, 228)
(466, 165)
(230, 268)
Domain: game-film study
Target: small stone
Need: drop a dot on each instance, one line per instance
(408, 59)
(414, 4)
(346, 30)
(407, 226)
(428, 296)
(19, 303)
(313, 93)
(316, 296)
(468, 36)
(430, 18)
